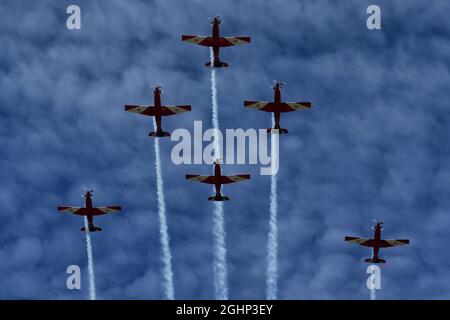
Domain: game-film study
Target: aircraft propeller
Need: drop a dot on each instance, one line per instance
(377, 222)
(280, 83)
(212, 19)
(157, 87)
(85, 190)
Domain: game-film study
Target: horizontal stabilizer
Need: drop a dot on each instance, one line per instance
(218, 198)
(277, 130)
(159, 134)
(91, 229)
(216, 64)
(372, 260)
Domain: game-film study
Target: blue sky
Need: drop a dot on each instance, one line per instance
(375, 145)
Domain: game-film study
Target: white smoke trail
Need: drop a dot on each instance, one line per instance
(372, 289)
(166, 258)
(272, 237)
(373, 294)
(220, 263)
(92, 293)
(215, 107)
(220, 251)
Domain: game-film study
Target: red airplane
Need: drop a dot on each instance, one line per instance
(218, 180)
(216, 42)
(277, 106)
(90, 211)
(157, 111)
(376, 243)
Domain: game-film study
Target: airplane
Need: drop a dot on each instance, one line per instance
(376, 243)
(157, 111)
(218, 179)
(90, 211)
(277, 106)
(216, 42)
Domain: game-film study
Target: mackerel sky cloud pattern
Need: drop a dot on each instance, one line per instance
(374, 146)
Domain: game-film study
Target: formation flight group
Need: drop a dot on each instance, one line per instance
(277, 107)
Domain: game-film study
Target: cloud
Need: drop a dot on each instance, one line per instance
(374, 145)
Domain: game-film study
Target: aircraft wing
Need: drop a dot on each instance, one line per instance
(200, 40)
(142, 109)
(258, 105)
(298, 105)
(105, 210)
(202, 179)
(171, 110)
(393, 243)
(79, 211)
(361, 241)
(151, 111)
(273, 107)
(210, 42)
(233, 41)
(233, 179)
